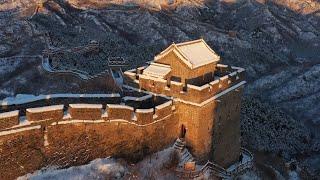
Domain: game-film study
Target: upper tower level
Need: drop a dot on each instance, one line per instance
(185, 61)
(188, 71)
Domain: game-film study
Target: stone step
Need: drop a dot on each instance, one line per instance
(186, 158)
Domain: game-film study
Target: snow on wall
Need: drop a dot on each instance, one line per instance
(22, 99)
(85, 112)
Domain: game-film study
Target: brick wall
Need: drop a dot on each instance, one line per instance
(119, 112)
(85, 111)
(45, 113)
(21, 153)
(9, 119)
(144, 116)
(69, 143)
(226, 134)
(231, 76)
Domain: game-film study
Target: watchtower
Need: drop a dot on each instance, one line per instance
(206, 95)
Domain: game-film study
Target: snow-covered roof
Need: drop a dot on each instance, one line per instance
(193, 53)
(157, 70)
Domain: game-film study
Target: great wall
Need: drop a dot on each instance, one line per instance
(154, 110)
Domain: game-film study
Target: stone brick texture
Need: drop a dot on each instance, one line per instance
(85, 113)
(45, 115)
(226, 131)
(21, 153)
(144, 117)
(78, 143)
(8, 122)
(116, 113)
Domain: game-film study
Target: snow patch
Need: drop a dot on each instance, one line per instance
(106, 168)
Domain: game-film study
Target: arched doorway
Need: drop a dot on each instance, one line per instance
(183, 131)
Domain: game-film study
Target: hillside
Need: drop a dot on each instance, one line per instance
(277, 41)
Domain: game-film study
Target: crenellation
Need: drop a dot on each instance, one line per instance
(192, 92)
(9, 119)
(163, 110)
(176, 87)
(214, 86)
(24, 103)
(144, 116)
(116, 111)
(85, 111)
(45, 113)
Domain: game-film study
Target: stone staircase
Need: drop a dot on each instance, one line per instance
(183, 152)
(214, 169)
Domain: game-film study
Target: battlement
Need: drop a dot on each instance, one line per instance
(9, 119)
(45, 113)
(112, 112)
(109, 129)
(224, 77)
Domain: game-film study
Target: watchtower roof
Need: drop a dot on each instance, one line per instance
(193, 53)
(157, 70)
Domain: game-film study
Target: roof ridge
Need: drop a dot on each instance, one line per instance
(190, 42)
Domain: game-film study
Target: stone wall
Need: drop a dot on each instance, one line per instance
(226, 132)
(198, 121)
(212, 129)
(231, 76)
(45, 113)
(9, 119)
(21, 153)
(56, 99)
(69, 140)
(85, 111)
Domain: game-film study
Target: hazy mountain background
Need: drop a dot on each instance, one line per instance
(277, 41)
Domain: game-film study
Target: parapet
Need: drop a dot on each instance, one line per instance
(116, 111)
(85, 111)
(163, 110)
(9, 119)
(88, 112)
(225, 77)
(30, 101)
(45, 113)
(144, 116)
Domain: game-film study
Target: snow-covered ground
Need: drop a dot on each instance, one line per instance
(157, 165)
(106, 168)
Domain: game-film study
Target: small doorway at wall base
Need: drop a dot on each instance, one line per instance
(183, 131)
